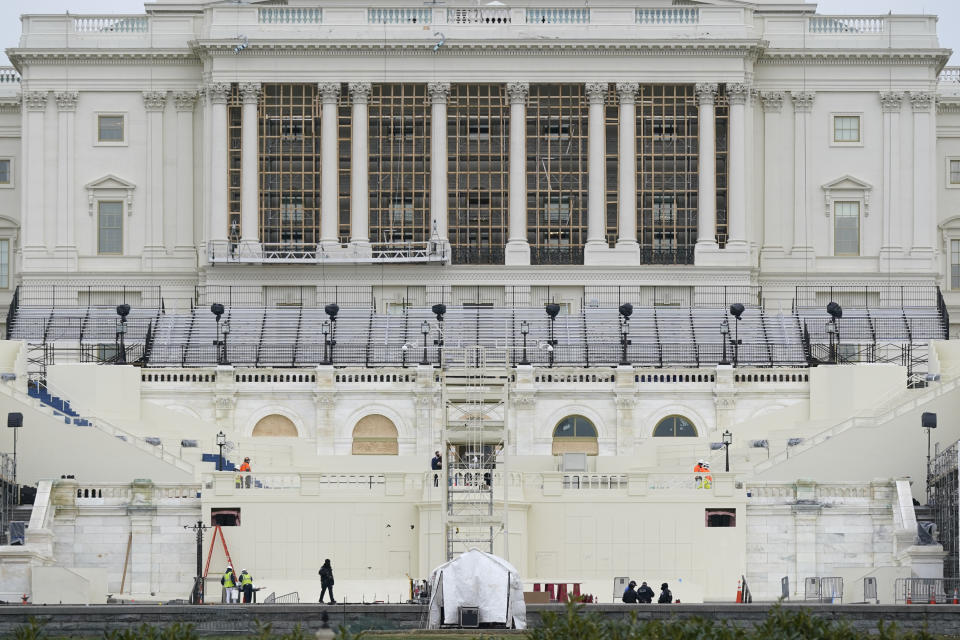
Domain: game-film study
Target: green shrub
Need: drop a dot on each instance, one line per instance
(33, 630)
(176, 631)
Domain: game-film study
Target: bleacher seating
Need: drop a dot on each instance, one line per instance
(90, 325)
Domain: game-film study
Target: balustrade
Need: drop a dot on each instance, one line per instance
(289, 15)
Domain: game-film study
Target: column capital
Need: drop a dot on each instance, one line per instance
(738, 92)
(360, 92)
(329, 92)
(772, 101)
(154, 100)
(66, 100)
(250, 92)
(518, 92)
(706, 92)
(802, 101)
(35, 100)
(921, 101)
(438, 92)
(596, 92)
(891, 101)
(185, 100)
(218, 92)
(627, 91)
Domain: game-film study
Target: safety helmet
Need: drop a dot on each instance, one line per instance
(700, 461)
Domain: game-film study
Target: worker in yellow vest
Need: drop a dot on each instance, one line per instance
(246, 586)
(229, 582)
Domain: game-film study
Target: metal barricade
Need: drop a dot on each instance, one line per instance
(828, 590)
(870, 590)
(927, 591)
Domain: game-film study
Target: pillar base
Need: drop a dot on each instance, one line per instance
(626, 252)
(517, 252)
(360, 249)
(599, 253)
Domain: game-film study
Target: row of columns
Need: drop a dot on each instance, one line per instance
(517, 250)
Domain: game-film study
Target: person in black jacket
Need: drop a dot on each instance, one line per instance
(645, 594)
(326, 580)
(436, 464)
(665, 596)
(629, 595)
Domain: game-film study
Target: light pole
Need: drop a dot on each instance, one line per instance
(833, 331)
(727, 441)
(325, 328)
(724, 336)
(524, 330)
(928, 421)
(626, 310)
(15, 422)
(439, 310)
(123, 311)
(552, 309)
(197, 596)
(217, 310)
(331, 310)
(425, 329)
(221, 440)
(736, 310)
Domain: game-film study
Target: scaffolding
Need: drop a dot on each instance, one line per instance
(8, 496)
(475, 437)
(943, 498)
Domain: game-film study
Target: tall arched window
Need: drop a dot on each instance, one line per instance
(675, 427)
(575, 434)
(375, 435)
(275, 426)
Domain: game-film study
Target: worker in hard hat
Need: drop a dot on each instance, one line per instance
(246, 586)
(229, 582)
(698, 470)
(707, 478)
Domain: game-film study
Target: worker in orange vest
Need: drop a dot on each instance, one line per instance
(245, 468)
(698, 470)
(707, 478)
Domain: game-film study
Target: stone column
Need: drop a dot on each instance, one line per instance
(32, 191)
(219, 216)
(596, 168)
(66, 242)
(439, 92)
(805, 515)
(141, 512)
(329, 167)
(518, 249)
(890, 103)
(737, 94)
(184, 102)
(707, 161)
(773, 240)
(249, 178)
(924, 175)
(625, 390)
(802, 242)
(627, 176)
(154, 103)
(359, 182)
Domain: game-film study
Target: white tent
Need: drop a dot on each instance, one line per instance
(478, 579)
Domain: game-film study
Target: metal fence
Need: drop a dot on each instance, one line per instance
(59, 295)
(865, 296)
(927, 591)
(704, 296)
(823, 589)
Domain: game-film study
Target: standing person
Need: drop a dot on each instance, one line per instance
(246, 586)
(326, 580)
(665, 596)
(698, 470)
(645, 594)
(629, 594)
(245, 468)
(229, 582)
(436, 463)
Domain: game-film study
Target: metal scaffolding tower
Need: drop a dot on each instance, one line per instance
(945, 494)
(475, 389)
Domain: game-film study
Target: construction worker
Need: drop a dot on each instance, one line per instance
(707, 478)
(698, 470)
(245, 468)
(246, 586)
(229, 582)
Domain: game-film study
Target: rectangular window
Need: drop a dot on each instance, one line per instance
(846, 228)
(846, 128)
(479, 129)
(954, 171)
(401, 210)
(110, 129)
(110, 227)
(664, 209)
(557, 128)
(955, 264)
(558, 210)
(721, 517)
(5, 173)
(402, 127)
(4, 264)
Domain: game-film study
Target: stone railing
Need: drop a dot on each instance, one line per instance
(949, 74)
(558, 16)
(178, 376)
(400, 16)
(111, 24)
(70, 492)
(236, 483)
(479, 16)
(9, 75)
(585, 481)
(578, 377)
(846, 24)
(289, 15)
(668, 16)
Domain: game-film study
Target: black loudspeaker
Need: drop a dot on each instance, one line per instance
(14, 420)
(928, 420)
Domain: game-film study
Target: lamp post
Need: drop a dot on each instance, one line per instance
(552, 309)
(425, 329)
(15, 422)
(439, 310)
(123, 311)
(217, 310)
(928, 421)
(624, 341)
(196, 597)
(524, 330)
(833, 330)
(724, 336)
(736, 310)
(727, 441)
(221, 440)
(331, 310)
(325, 328)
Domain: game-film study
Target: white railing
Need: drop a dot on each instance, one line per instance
(399, 16)
(668, 15)
(107, 24)
(584, 481)
(949, 74)
(846, 24)
(289, 15)
(8, 74)
(478, 16)
(558, 16)
(287, 253)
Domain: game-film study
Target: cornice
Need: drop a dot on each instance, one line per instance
(722, 48)
(103, 56)
(12, 104)
(913, 57)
